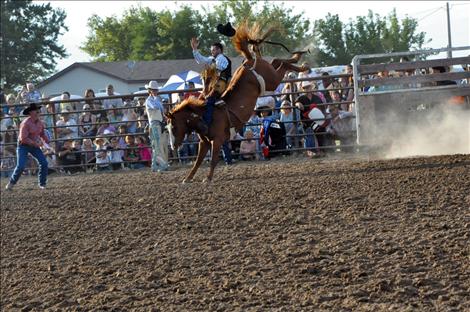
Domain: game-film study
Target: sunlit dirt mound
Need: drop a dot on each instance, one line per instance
(285, 235)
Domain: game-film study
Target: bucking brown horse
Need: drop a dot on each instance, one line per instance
(250, 80)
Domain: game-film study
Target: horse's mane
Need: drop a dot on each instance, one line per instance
(246, 35)
(209, 74)
(191, 102)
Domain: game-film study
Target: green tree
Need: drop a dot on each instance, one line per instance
(176, 29)
(337, 43)
(143, 34)
(28, 41)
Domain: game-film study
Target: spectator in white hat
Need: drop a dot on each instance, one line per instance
(155, 113)
(304, 104)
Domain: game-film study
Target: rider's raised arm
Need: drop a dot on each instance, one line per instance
(200, 59)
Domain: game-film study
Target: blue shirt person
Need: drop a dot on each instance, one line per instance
(155, 111)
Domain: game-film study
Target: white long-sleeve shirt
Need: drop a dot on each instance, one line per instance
(154, 108)
(221, 62)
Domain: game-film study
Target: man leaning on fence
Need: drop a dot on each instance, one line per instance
(155, 113)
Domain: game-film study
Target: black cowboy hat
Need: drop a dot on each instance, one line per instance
(30, 108)
(226, 30)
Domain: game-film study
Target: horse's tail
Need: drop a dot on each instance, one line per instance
(246, 35)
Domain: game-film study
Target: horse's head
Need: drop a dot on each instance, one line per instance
(209, 78)
(183, 119)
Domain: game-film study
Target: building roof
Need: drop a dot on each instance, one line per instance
(138, 71)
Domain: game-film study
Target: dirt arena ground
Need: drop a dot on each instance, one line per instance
(285, 235)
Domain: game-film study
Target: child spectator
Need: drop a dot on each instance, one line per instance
(101, 154)
(116, 154)
(272, 136)
(88, 154)
(145, 153)
(254, 124)
(248, 146)
(131, 154)
(142, 125)
(122, 131)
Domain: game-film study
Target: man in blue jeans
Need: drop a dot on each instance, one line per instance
(32, 137)
(155, 113)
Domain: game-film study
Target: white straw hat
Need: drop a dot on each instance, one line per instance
(153, 85)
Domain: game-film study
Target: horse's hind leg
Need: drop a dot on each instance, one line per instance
(283, 67)
(294, 59)
(203, 148)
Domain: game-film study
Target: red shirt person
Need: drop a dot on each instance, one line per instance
(30, 139)
(191, 86)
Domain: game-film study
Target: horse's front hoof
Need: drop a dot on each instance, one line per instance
(207, 180)
(185, 181)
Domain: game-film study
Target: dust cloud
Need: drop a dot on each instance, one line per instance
(443, 130)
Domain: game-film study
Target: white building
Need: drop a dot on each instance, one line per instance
(126, 76)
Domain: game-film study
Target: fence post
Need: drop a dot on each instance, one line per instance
(54, 121)
(294, 112)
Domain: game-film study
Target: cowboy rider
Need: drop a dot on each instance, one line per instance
(224, 69)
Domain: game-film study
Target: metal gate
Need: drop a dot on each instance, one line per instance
(385, 102)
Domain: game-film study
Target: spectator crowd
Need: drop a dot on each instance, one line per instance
(308, 114)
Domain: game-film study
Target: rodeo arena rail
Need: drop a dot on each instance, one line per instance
(315, 113)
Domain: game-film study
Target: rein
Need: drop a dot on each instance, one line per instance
(258, 42)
